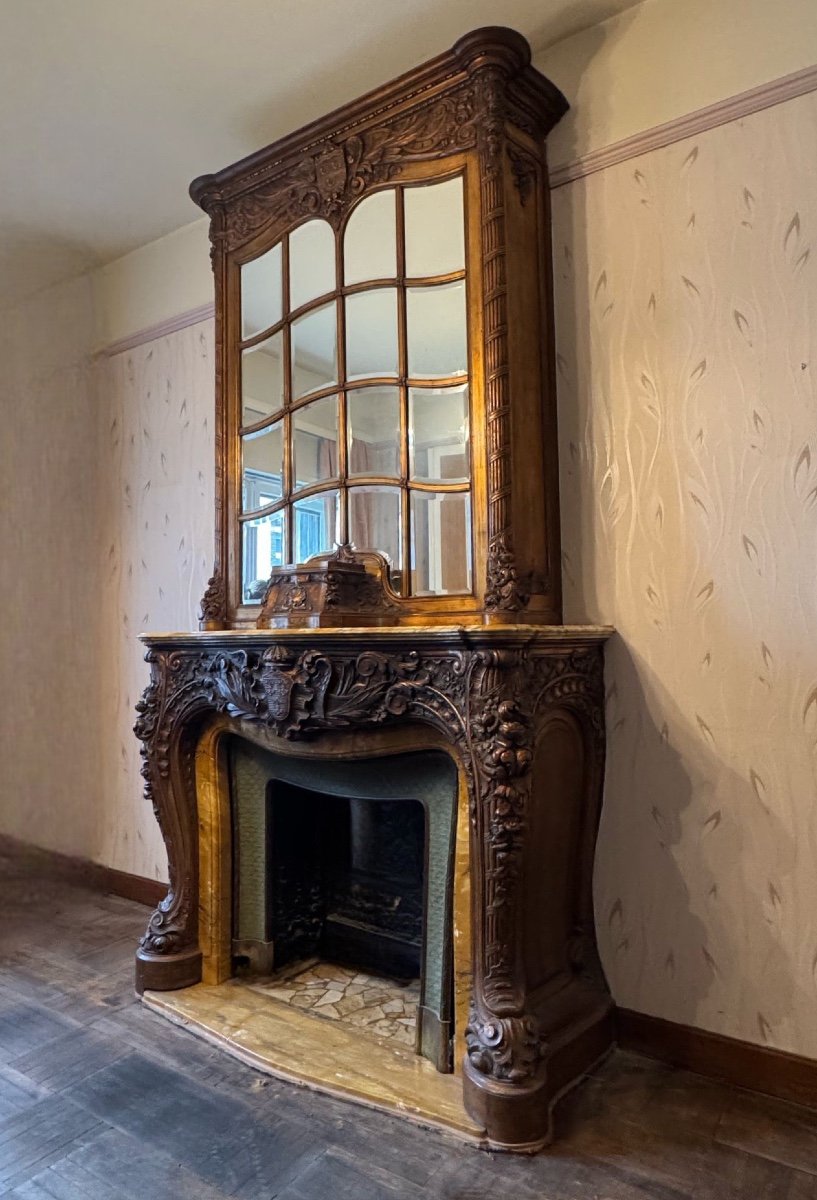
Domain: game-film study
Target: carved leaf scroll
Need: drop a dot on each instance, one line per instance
(326, 182)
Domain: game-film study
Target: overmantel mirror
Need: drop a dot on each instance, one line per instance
(378, 764)
(385, 381)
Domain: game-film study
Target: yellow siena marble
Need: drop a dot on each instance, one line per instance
(281, 1040)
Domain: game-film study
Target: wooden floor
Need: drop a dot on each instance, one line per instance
(101, 1100)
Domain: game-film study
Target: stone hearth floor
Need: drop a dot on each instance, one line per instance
(380, 1006)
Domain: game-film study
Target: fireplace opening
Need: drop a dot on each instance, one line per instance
(346, 876)
(342, 889)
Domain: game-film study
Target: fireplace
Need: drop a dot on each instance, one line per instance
(378, 764)
(350, 864)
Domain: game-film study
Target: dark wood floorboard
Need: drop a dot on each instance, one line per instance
(102, 1100)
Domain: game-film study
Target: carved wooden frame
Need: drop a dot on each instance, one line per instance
(483, 109)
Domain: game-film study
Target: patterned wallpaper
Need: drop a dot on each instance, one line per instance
(687, 336)
(49, 698)
(155, 542)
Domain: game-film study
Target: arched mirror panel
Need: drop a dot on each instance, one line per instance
(359, 395)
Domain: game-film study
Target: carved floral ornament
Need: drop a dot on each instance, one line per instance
(328, 177)
(488, 704)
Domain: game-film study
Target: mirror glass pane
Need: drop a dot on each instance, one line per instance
(437, 340)
(374, 521)
(315, 442)
(373, 422)
(261, 304)
(370, 241)
(262, 380)
(435, 229)
(263, 548)
(438, 434)
(314, 351)
(440, 543)
(311, 262)
(371, 333)
(315, 529)
(263, 464)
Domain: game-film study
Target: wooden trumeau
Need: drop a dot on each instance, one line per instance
(483, 112)
(354, 640)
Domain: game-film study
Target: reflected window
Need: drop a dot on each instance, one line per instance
(354, 412)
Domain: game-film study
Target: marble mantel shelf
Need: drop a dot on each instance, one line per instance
(565, 636)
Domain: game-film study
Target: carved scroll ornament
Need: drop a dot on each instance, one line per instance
(487, 703)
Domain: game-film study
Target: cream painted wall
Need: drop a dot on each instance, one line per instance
(152, 284)
(663, 59)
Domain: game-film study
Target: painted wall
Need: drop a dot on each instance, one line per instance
(687, 337)
(663, 59)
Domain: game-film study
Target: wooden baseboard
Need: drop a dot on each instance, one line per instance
(82, 871)
(728, 1060)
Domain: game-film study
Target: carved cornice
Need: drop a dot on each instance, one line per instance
(326, 181)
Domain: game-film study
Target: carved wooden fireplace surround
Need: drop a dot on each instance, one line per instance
(351, 644)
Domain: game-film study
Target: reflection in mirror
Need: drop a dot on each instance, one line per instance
(374, 521)
(314, 351)
(315, 442)
(261, 303)
(373, 422)
(438, 434)
(262, 380)
(435, 229)
(316, 525)
(440, 543)
(371, 333)
(436, 331)
(311, 262)
(370, 241)
(263, 548)
(263, 464)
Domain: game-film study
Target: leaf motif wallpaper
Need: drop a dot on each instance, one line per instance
(686, 309)
(50, 711)
(156, 548)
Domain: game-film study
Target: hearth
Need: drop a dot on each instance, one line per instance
(378, 765)
(349, 864)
